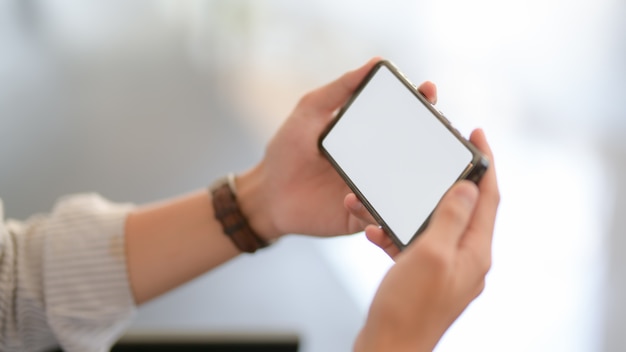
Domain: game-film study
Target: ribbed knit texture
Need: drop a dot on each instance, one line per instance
(63, 277)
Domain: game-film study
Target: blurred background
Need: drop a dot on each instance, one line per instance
(141, 100)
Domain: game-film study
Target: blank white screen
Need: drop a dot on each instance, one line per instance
(397, 153)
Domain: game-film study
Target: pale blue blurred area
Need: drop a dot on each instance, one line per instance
(141, 100)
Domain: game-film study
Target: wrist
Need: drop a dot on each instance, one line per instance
(254, 201)
(381, 339)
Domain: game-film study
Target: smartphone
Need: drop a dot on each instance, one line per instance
(397, 152)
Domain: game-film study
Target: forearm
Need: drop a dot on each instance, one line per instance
(293, 190)
(170, 243)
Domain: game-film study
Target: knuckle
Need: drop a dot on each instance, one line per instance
(485, 266)
(482, 263)
(437, 256)
(480, 287)
(454, 213)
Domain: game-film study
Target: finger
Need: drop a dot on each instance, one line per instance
(356, 208)
(452, 216)
(332, 96)
(429, 90)
(481, 227)
(377, 236)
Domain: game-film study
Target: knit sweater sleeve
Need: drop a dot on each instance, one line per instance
(63, 277)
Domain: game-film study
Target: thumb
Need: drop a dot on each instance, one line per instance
(452, 216)
(333, 95)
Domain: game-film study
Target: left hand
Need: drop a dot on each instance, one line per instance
(302, 193)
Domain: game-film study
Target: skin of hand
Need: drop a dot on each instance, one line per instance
(295, 189)
(437, 276)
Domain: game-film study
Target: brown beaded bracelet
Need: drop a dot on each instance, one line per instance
(228, 213)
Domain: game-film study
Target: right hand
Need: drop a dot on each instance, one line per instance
(376, 234)
(439, 273)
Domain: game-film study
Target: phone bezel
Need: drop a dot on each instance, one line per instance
(473, 171)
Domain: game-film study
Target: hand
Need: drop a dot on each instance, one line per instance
(373, 232)
(438, 274)
(297, 190)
